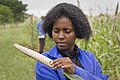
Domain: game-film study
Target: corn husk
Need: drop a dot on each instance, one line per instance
(37, 56)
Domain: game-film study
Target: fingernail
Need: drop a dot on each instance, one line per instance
(52, 65)
(62, 66)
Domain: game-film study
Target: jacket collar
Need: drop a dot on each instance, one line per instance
(54, 53)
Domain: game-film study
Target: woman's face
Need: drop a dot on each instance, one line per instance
(63, 34)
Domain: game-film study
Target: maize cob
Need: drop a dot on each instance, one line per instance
(41, 58)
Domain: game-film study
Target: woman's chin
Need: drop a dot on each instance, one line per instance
(62, 48)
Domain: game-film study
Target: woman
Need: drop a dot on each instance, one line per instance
(64, 23)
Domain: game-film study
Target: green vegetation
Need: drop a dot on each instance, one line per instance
(5, 14)
(13, 64)
(12, 11)
(104, 43)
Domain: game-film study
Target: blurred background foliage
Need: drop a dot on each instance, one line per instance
(12, 11)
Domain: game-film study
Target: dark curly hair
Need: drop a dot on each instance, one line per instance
(78, 18)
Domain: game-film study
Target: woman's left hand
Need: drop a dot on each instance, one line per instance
(64, 63)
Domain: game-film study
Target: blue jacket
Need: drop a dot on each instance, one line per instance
(92, 69)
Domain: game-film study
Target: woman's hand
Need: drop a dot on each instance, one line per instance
(64, 63)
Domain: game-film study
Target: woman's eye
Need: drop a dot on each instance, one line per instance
(56, 31)
(67, 31)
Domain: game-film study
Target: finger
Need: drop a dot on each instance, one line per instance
(56, 60)
(58, 66)
(59, 59)
(63, 61)
(66, 66)
(69, 68)
(57, 63)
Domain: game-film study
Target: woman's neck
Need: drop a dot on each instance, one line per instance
(74, 48)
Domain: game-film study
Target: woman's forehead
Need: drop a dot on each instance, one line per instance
(62, 27)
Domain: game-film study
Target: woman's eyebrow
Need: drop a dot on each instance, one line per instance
(68, 28)
(55, 28)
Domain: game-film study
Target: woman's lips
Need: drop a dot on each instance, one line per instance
(61, 44)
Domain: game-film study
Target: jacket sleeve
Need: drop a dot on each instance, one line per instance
(45, 73)
(97, 75)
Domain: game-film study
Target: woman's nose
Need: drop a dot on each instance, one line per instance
(61, 35)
